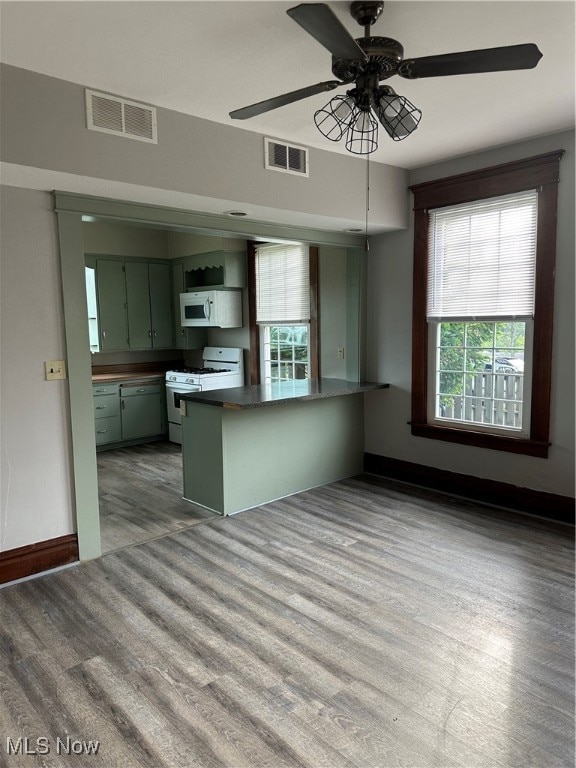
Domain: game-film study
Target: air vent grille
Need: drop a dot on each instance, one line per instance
(111, 114)
(288, 158)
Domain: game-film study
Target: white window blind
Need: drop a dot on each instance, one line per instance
(282, 284)
(482, 258)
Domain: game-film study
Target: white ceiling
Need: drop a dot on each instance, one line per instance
(208, 58)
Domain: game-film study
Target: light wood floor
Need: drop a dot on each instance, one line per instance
(359, 624)
(140, 495)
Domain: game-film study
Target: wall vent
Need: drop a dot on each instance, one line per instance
(122, 117)
(288, 158)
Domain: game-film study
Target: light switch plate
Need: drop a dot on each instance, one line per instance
(55, 369)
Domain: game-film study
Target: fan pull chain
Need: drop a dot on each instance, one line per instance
(366, 243)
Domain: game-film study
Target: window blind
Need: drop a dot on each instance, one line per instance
(482, 259)
(282, 284)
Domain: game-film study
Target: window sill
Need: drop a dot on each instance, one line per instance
(482, 440)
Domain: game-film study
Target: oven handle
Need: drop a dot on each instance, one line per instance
(182, 388)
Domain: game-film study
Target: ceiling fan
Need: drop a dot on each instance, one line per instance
(366, 62)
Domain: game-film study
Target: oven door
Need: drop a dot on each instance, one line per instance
(173, 393)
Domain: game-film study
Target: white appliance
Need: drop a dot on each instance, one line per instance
(214, 308)
(223, 367)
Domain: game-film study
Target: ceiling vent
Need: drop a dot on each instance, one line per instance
(122, 117)
(285, 157)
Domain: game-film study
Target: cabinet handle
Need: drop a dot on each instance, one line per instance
(103, 334)
(155, 334)
(182, 331)
(101, 407)
(101, 431)
(100, 390)
(140, 390)
(149, 334)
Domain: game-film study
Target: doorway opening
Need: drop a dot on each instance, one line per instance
(140, 495)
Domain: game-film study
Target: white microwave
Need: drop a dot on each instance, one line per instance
(211, 309)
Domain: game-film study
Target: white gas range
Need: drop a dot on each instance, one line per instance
(223, 367)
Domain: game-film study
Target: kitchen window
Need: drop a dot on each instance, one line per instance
(283, 289)
(483, 306)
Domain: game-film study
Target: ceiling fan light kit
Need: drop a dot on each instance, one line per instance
(366, 62)
(398, 115)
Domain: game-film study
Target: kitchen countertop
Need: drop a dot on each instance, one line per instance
(102, 378)
(263, 395)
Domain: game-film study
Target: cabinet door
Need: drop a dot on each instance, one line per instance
(177, 289)
(108, 430)
(142, 416)
(106, 405)
(184, 338)
(138, 301)
(161, 305)
(112, 318)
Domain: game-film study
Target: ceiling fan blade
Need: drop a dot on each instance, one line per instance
(320, 22)
(469, 62)
(280, 101)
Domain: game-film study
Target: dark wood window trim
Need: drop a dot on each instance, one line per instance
(314, 315)
(541, 173)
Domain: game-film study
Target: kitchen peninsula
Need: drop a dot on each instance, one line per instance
(246, 446)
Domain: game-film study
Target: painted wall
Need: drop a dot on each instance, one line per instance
(333, 302)
(121, 240)
(34, 414)
(43, 125)
(389, 343)
(110, 238)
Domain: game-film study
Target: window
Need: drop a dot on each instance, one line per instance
(479, 372)
(283, 287)
(284, 352)
(483, 306)
(92, 307)
(480, 298)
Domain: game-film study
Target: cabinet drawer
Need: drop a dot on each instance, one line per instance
(108, 430)
(129, 390)
(105, 389)
(106, 405)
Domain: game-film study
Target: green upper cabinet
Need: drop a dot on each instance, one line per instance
(216, 269)
(112, 318)
(138, 305)
(161, 305)
(184, 338)
(149, 299)
(134, 304)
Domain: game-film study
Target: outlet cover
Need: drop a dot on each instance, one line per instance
(55, 369)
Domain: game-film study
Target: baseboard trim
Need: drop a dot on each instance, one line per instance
(34, 558)
(548, 505)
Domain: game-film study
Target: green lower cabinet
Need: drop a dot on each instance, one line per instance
(128, 412)
(107, 414)
(143, 411)
(108, 430)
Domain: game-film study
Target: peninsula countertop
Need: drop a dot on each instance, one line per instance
(277, 393)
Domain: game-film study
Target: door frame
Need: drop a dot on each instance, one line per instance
(70, 209)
